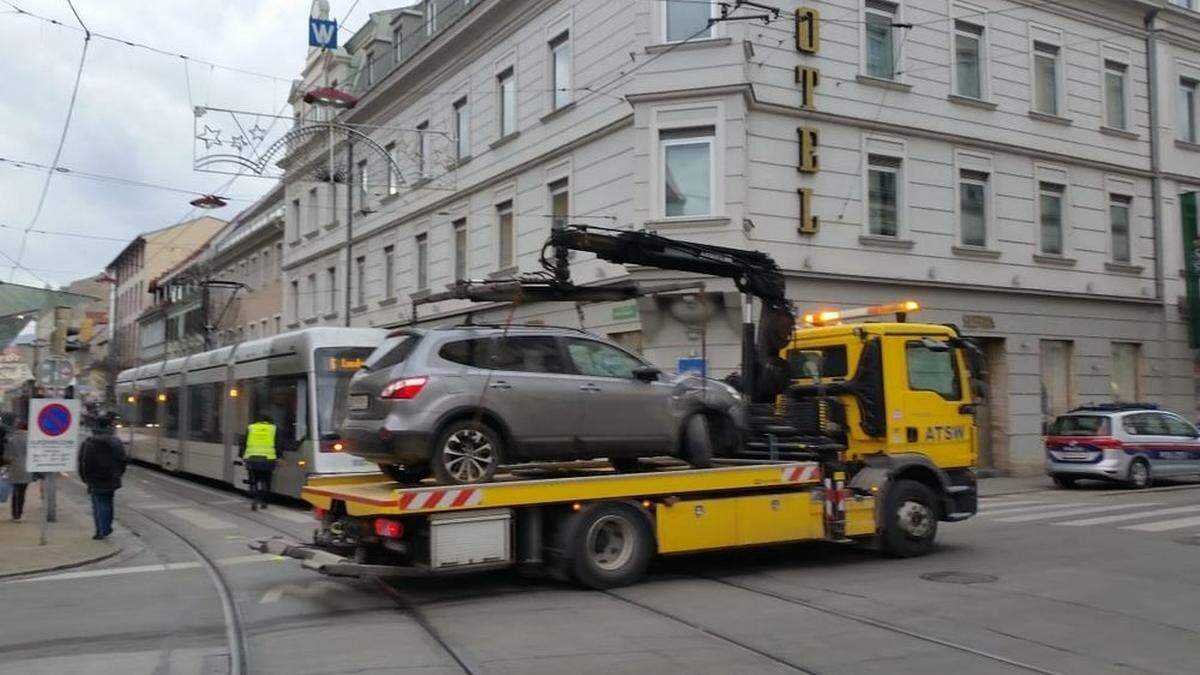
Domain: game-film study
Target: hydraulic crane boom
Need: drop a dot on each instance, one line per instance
(753, 272)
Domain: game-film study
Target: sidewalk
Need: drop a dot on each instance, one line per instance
(68, 542)
(1011, 485)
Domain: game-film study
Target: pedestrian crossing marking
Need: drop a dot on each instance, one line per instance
(201, 519)
(987, 506)
(1101, 520)
(1164, 525)
(1027, 509)
(1048, 515)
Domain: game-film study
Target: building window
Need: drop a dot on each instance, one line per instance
(560, 203)
(266, 271)
(422, 246)
(278, 325)
(331, 290)
(389, 272)
(252, 280)
(314, 210)
(686, 20)
(968, 59)
(507, 90)
(1118, 217)
(262, 327)
(296, 219)
(312, 295)
(393, 181)
(460, 249)
(507, 234)
(1126, 371)
(423, 149)
(370, 68)
(1057, 392)
(1114, 94)
(362, 185)
(560, 70)
(397, 44)
(883, 195)
(431, 17)
(972, 204)
(1050, 217)
(360, 275)
(880, 38)
(687, 160)
(1187, 110)
(462, 130)
(1045, 78)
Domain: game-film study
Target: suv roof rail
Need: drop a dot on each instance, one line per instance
(515, 325)
(1114, 407)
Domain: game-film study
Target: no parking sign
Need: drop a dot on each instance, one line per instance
(53, 434)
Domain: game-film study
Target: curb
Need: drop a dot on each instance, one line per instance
(65, 566)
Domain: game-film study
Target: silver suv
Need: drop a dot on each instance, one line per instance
(458, 402)
(1128, 443)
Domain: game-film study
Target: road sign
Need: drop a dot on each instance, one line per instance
(692, 365)
(53, 441)
(55, 372)
(322, 33)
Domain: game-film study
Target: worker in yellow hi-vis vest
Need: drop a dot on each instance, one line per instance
(259, 451)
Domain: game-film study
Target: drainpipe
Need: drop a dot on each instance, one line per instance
(1156, 187)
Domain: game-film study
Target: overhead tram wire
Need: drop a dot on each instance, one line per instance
(62, 140)
(74, 173)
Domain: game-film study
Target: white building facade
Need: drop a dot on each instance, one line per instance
(999, 162)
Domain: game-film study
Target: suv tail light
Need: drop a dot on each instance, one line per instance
(406, 388)
(390, 529)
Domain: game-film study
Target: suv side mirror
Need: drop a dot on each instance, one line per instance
(647, 373)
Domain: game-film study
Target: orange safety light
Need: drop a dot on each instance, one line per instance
(828, 317)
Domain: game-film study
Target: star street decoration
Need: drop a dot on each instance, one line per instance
(210, 137)
(236, 141)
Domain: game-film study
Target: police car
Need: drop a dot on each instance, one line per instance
(1130, 443)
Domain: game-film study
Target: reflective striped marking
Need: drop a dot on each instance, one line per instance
(1047, 515)
(801, 473)
(1164, 525)
(1129, 516)
(440, 499)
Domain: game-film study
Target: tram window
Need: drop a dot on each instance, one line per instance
(283, 400)
(334, 369)
(204, 412)
(170, 421)
(147, 409)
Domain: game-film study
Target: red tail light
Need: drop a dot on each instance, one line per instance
(319, 513)
(406, 388)
(390, 529)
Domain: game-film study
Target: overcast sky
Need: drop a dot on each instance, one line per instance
(133, 116)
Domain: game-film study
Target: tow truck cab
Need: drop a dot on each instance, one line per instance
(901, 402)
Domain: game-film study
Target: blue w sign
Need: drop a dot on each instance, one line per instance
(322, 34)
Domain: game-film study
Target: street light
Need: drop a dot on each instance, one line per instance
(331, 97)
(209, 202)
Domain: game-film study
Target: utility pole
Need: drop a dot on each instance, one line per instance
(207, 326)
(58, 347)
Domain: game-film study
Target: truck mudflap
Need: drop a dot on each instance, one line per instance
(331, 564)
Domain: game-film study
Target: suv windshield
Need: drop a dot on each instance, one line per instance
(334, 368)
(1080, 425)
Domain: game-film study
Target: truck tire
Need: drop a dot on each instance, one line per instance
(910, 519)
(698, 442)
(467, 451)
(408, 475)
(606, 545)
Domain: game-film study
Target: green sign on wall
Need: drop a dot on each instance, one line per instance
(624, 312)
(1191, 262)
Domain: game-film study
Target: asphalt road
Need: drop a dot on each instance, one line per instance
(1089, 581)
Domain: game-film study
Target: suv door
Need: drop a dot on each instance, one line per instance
(530, 387)
(621, 416)
(1149, 437)
(1179, 454)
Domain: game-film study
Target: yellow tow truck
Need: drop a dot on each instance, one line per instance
(854, 432)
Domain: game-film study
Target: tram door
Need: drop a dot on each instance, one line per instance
(239, 418)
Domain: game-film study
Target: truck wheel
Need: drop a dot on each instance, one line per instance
(697, 442)
(607, 545)
(467, 451)
(910, 519)
(1139, 475)
(405, 474)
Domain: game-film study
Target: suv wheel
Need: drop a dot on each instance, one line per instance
(1139, 475)
(698, 442)
(1063, 482)
(468, 451)
(405, 474)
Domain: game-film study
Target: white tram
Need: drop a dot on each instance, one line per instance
(190, 414)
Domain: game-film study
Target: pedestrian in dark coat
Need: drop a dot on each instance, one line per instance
(15, 453)
(102, 462)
